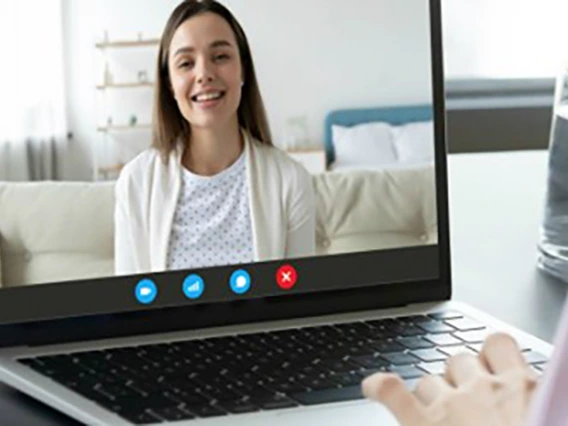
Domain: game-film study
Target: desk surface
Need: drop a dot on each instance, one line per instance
(496, 203)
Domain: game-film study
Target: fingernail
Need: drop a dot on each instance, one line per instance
(365, 387)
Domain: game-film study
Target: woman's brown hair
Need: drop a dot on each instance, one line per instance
(168, 124)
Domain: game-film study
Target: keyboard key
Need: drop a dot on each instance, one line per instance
(345, 379)
(406, 371)
(386, 347)
(436, 368)
(153, 402)
(141, 417)
(311, 369)
(400, 358)
(172, 414)
(320, 383)
(330, 395)
(274, 402)
(443, 315)
(354, 328)
(533, 357)
(338, 365)
(455, 350)
(414, 343)
(465, 324)
(413, 319)
(370, 361)
(473, 336)
(444, 339)
(476, 347)
(523, 347)
(363, 374)
(362, 349)
(289, 387)
(117, 391)
(430, 355)
(206, 410)
(239, 407)
(376, 334)
(191, 398)
(436, 327)
(407, 331)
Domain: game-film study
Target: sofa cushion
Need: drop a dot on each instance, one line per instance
(56, 231)
(361, 210)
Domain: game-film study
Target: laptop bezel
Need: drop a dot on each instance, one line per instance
(380, 296)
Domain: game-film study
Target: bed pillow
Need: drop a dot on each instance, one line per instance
(368, 144)
(414, 142)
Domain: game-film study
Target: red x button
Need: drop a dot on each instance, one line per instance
(286, 277)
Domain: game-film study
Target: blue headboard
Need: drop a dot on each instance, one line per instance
(393, 115)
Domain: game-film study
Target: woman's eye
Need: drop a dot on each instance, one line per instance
(221, 57)
(185, 64)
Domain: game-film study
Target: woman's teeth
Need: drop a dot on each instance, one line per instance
(208, 96)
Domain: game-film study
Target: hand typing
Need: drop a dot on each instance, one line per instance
(494, 388)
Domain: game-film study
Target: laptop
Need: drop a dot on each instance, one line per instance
(276, 341)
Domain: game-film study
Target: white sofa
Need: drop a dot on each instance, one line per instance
(58, 231)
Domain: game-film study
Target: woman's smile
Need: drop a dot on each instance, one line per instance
(208, 99)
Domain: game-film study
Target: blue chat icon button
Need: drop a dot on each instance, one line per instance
(240, 282)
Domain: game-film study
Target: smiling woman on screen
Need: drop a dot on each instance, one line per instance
(212, 190)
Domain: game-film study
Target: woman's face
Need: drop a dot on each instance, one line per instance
(206, 71)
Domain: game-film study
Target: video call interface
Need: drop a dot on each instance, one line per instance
(180, 157)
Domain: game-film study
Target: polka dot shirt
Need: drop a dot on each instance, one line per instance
(212, 222)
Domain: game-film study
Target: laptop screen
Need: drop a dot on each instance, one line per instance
(196, 153)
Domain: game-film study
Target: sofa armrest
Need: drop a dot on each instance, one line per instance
(56, 231)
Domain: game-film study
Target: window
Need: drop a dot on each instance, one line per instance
(31, 82)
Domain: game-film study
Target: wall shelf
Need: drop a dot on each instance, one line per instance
(111, 153)
(127, 43)
(125, 85)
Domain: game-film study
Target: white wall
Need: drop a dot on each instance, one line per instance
(504, 38)
(311, 57)
(314, 56)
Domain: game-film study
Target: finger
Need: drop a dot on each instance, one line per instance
(389, 389)
(463, 368)
(430, 388)
(501, 354)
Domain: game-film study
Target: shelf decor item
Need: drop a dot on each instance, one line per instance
(133, 120)
(108, 74)
(296, 134)
(142, 76)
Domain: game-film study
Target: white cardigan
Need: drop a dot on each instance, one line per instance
(281, 199)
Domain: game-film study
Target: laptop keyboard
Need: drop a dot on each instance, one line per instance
(246, 373)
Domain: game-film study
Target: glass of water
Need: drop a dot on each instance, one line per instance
(553, 246)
